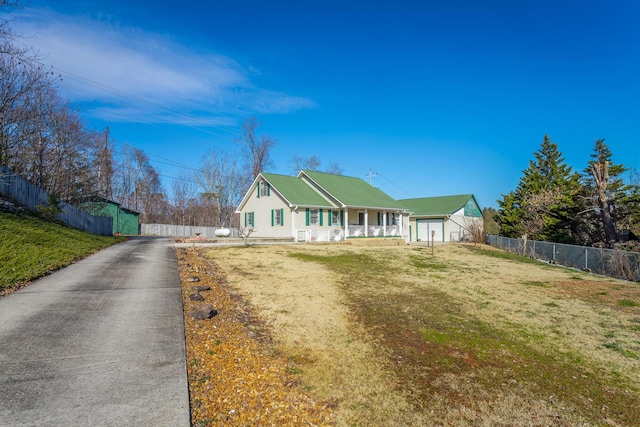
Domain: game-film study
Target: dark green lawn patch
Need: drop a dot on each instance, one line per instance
(430, 264)
(536, 283)
(31, 247)
(615, 346)
(628, 303)
(425, 334)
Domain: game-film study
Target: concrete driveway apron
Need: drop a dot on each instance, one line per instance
(99, 343)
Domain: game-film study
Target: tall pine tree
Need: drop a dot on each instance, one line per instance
(545, 201)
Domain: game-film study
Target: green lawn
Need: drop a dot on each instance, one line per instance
(31, 247)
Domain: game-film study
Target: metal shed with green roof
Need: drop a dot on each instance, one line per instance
(318, 206)
(444, 218)
(125, 221)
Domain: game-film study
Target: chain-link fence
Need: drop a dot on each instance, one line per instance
(623, 265)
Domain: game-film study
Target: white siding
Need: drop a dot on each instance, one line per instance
(262, 207)
(454, 227)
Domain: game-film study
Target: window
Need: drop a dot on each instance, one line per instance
(265, 189)
(335, 218)
(314, 217)
(248, 219)
(277, 217)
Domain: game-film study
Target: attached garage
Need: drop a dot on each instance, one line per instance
(424, 228)
(447, 216)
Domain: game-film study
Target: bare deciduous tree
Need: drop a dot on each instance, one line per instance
(309, 163)
(102, 153)
(184, 192)
(244, 233)
(221, 184)
(334, 168)
(537, 206)
(475, 228)
(138, 186)
(600, 173)
(256, 150)
(612, 200)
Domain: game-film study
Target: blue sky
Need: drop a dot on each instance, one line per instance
(435, 97)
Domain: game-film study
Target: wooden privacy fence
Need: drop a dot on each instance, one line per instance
(31, 196)
(170, 230)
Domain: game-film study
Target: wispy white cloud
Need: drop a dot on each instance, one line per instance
(128, 74)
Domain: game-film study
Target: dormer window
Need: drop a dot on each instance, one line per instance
(264, 189)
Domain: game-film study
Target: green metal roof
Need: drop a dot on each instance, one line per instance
(436, 206)
(296, 191)
(352, 191)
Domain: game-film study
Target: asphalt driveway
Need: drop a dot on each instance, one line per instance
(99, 343)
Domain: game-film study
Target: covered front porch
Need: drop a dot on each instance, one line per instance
(355, 223)
(372, 223)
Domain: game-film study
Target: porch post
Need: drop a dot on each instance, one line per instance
(293, 225)
(384, 223)
(366, 223)
(346, 223)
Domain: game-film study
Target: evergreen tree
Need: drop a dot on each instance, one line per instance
(545, 202)
(510, 214)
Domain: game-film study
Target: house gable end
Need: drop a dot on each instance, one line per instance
(296, 192)
(442, 206)
(249, 192)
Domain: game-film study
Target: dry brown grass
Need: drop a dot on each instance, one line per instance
(394, 336)
(233, 379)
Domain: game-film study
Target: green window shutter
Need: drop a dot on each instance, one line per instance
(282, 217)
(245, 219)
(330, 214)
(272, 215)
(268, 190)
(307, 216)
(258, 190)
(341, 217)
(320, 213)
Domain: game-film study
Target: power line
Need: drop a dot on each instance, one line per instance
(406, 193)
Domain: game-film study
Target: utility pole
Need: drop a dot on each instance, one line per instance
(371, 174)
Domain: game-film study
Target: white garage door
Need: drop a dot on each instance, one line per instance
(426, 226)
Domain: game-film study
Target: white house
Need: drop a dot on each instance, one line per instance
(317, 206)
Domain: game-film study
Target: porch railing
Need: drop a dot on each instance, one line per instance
(374, 231)
(338, 234)
(312, 235)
